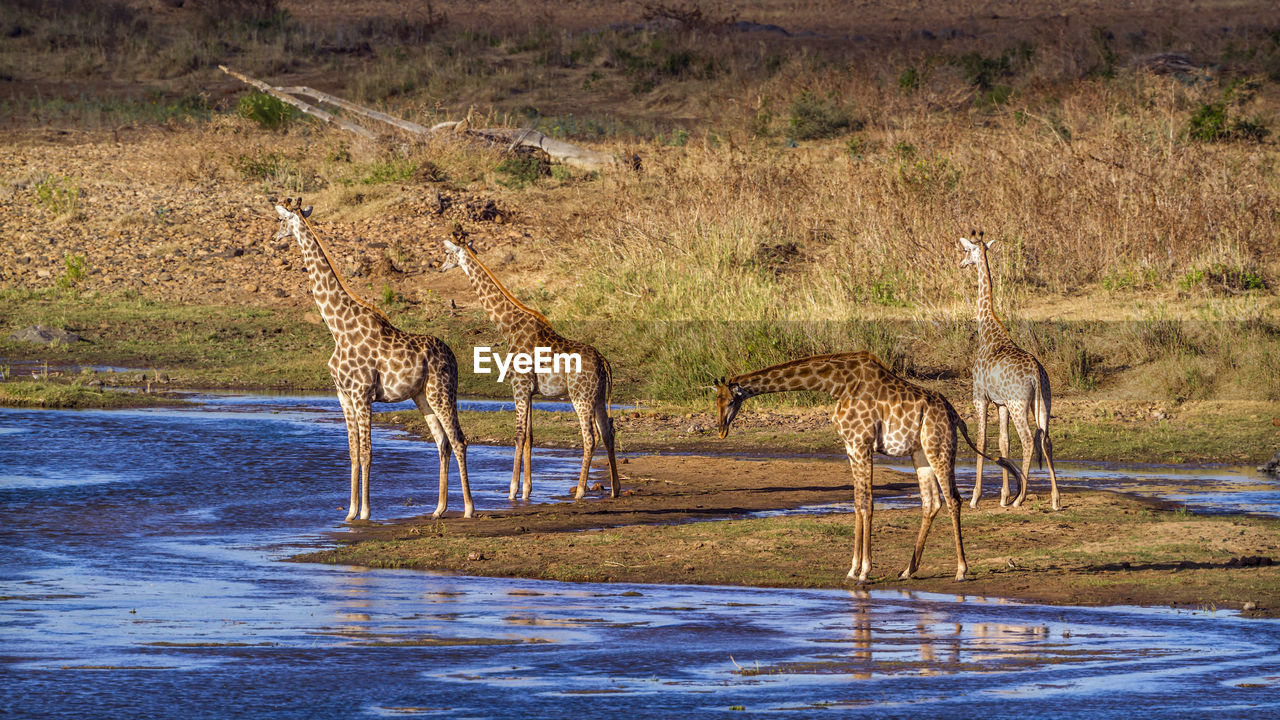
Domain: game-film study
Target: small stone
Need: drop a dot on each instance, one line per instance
(596, 487)
(251, 287)
(475, 555)
(1251, 605)
(43, 273)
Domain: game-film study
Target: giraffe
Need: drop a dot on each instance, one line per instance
(524, 330)
(1010, 377)
(373, 361)
(876, 411)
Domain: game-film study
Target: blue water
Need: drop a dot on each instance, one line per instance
(143, 577)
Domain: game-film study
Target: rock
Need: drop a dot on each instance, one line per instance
(42, 273)
(1272, 466)
(1251, 605)
(44, 335)
(596, 487)
(475, 555)
(251, 287)
(230, 253)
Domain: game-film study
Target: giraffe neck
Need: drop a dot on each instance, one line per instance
(990, 331)
(334, 299)
(517, 322)
(812, 373)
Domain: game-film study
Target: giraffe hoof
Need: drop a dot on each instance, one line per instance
(466, 515)
(961, 577)
(905, 574)
(974, 503)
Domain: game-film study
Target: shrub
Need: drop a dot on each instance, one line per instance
(58, 195)
(268, 111)
(814, 117)
(75, 270)
(522, 170)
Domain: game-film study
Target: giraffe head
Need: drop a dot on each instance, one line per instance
(291, 213)
(729, 397)
(974, 252)
(458, 255)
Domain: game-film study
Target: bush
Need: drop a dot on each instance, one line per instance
(58, 195)
(268, 111)
(814, 118)
(522, 171)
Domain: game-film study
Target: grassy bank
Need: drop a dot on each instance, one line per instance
(1103, 549)
(45, 394)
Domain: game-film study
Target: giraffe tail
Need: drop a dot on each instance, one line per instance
(1040, 403)
(608, 388)
(964, 431)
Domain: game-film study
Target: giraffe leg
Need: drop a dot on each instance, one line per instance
(929, 506)
(940, 450)
(980, 404)
(528, 457)
(860, 463)
(1028, 442)
(1003, 412)
(588, 446)
(1041, 404)
(442, 446)
(523, 397)
(364, 413)
(353, 448)
(1046, 446)
(448, 418)
(604, 426)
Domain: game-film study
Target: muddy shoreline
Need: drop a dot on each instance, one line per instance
(1104, 548)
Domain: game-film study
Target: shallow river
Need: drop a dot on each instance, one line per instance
(142, 578)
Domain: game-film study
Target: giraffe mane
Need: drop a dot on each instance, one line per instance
(503, 289)
(804, 361)
(324, 249)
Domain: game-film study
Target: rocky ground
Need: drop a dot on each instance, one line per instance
(164, 216)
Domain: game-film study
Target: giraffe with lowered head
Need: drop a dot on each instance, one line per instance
(1010, 377)
(374, 361)
(588, 385)
(876, 411)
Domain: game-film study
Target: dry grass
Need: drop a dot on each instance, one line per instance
(799, 193)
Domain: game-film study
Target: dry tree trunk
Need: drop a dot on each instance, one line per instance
(558, 150)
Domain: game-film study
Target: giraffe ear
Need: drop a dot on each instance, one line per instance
(306, 211)
(966, 244)
(451, 247)
(991, 242)
(471, 245)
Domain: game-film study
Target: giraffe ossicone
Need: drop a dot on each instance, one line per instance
(374, 361)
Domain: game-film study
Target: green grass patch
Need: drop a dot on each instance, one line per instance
(46, 394)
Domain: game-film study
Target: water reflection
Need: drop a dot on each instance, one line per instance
(159, 592)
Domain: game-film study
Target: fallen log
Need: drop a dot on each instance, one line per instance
(557, 150)
(306, 108)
